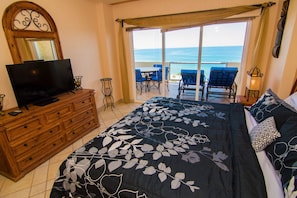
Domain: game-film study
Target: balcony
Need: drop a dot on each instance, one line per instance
(174, 77)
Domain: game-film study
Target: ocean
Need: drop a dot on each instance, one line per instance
(187, 58)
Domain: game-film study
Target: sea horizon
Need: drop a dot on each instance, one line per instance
(189, 56)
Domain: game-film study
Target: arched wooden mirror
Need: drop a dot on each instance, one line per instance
(31, 33)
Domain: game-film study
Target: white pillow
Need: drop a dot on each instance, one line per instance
(264, 134)
(292, 100)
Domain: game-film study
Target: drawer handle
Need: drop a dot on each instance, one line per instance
(25, 127)
(58, 113)
(51, 131)
(54, 144)
(83, 102)
(73, 132)
(25, 145)
(30, 158)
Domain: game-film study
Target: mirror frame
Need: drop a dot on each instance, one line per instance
(11, 33)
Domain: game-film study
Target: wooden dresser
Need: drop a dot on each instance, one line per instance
(32, 137)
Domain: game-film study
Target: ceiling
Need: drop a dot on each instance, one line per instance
(114, 2)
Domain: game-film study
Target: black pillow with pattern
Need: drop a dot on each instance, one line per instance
(283, 151)
(269, 104)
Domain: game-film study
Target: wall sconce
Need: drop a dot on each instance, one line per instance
(253, 83)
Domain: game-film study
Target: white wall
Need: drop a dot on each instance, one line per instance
(108, 50)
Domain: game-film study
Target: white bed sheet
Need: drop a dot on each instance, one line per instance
(272, 178)
(292, 100)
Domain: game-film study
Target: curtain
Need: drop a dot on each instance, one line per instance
(260, 32)
(190, 19)
(123, 67)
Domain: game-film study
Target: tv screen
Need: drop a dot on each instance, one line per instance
(38, 82)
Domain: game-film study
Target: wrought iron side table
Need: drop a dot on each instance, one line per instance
(107, 93)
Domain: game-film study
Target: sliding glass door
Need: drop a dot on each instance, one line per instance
(147, 59)
(222, 45)
(182, 53)
(200, 48)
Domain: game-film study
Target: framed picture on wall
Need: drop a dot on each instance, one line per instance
(280, 29)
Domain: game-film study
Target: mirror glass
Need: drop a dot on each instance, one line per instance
(36, 49)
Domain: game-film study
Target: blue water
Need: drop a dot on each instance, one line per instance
(221, 54)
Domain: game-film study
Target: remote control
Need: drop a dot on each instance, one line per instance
(15, 113)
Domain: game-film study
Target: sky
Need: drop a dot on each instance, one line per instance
(231, 34)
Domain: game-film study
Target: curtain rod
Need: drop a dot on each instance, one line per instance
(263, 5)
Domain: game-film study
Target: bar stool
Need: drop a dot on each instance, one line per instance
(107, 92)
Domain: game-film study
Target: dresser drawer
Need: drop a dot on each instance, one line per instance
(28, 127)
(78, 118)
(35, 157)
(81, 129)
(31, 138)
(83, 103)
(37, 141)
(58, 113)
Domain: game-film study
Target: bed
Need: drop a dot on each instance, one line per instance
(180, 148)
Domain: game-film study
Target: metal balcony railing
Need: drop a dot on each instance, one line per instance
(175, 67)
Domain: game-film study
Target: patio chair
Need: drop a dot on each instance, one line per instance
(188, 81)
(166, 70)
(157, 76)
(157, 65)
(222, 79)
(139, 80)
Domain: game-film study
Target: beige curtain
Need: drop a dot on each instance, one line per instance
(123, 67)
(260, 32)
(190, 19)
(177, 21)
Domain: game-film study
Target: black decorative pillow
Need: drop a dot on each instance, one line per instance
(271, 105)
(263, 134)
(283, 151)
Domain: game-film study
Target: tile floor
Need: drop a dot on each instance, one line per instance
(38, 183)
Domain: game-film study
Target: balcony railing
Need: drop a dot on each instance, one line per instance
(175, 67)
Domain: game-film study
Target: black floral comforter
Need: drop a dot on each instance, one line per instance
(167, 148)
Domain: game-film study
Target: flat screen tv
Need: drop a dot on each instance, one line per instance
(38, 82)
